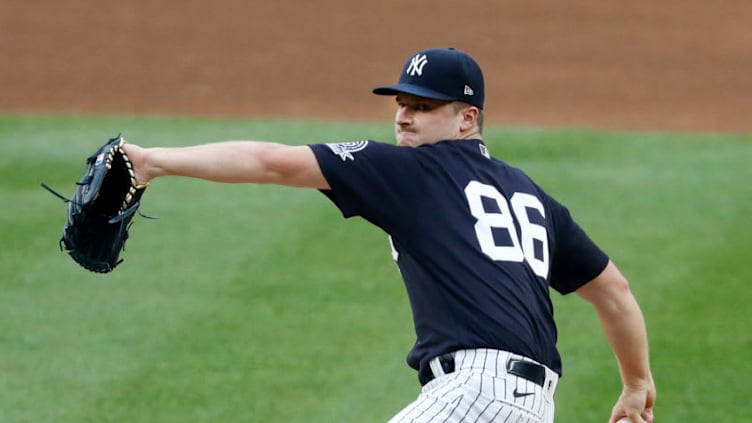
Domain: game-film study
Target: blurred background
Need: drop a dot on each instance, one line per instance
(668, 65)
(259, 303)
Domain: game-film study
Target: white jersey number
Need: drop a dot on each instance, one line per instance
(518, 247)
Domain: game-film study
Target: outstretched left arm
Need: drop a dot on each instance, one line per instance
(232, 162)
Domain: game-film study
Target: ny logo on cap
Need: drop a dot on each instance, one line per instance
(416, 65)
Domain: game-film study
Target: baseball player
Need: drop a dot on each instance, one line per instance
(477, 243)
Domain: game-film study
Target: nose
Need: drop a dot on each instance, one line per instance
(403, 116)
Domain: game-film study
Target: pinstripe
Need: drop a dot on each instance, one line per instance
(483, 412)
(468, 376)
(420, 408)
(485, 360)
(496, 363)
(506, 419)
(449, 415)
(443, 407)
(506, 391)
(493, 418)
(480, 390)
(434, 410)
(470, 406)
(541, 404)
(526, 388)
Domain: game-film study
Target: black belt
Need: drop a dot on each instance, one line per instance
(529, 371)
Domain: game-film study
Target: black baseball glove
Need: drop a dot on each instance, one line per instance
(101, 209)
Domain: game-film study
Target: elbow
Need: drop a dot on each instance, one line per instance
(620, 286)
(264, 164)
(609, 290)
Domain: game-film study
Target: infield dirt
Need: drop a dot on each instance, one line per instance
(670, 65)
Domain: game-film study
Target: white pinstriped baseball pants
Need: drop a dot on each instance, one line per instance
(480, 390)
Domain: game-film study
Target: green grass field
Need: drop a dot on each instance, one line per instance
(262, 304)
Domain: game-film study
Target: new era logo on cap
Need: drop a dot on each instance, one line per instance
(440, 74)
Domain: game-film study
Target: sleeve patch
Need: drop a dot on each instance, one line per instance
(345, 150)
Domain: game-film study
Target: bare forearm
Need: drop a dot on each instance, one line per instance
(624, 326)
(622, 322)
(231, 161)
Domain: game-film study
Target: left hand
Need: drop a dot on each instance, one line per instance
(137, 156)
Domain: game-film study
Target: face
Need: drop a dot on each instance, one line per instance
(420, 121)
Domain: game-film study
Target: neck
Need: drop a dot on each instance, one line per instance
(471, 134)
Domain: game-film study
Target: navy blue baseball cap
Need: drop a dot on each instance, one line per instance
(440, 74)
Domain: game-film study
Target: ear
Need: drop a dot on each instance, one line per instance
(469, 117)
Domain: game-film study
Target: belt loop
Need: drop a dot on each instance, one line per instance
(447, 363)
(552, 379)
(442, 365)
(437, 366)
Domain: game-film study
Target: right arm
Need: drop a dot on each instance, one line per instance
(624, 326)
(231, 162)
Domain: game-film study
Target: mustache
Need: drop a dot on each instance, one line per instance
(405, 128)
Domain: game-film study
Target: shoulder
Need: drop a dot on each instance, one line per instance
(352, 150)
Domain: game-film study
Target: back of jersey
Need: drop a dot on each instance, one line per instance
(477, 243)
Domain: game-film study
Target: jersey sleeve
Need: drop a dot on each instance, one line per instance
(374, 180)
(577, 259)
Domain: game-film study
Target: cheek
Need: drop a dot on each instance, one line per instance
(444, 126)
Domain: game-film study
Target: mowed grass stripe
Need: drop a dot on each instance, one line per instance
(259, 303)
(672, 211)
(194, 266)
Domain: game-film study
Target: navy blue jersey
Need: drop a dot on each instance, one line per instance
(477, 242)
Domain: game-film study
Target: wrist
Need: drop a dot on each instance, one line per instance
(638, 384)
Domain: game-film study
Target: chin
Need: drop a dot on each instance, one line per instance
(406, 141)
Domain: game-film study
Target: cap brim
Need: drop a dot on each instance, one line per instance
(411, 89)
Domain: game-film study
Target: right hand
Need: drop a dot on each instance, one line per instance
(636, 404)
